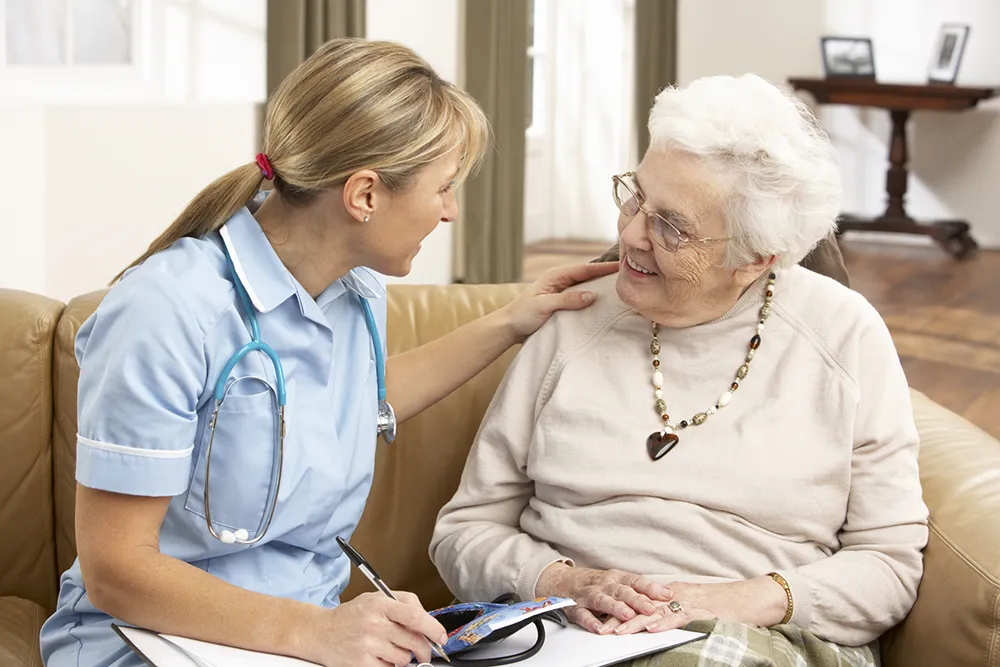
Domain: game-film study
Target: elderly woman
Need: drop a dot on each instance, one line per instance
(724, 441)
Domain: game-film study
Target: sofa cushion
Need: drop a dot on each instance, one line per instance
(20, 622)
(27, 554)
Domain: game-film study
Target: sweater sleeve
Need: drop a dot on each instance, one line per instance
(477, 545)
(870, 583)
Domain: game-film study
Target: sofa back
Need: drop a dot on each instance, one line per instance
(414, 476)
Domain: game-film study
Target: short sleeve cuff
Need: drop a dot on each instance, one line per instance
(131, 470)
(531, 570)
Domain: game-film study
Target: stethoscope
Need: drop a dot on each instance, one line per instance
(386, 424)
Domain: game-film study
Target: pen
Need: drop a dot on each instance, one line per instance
(367, 570)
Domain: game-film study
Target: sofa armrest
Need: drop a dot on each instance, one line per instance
(955, 619)
(27, 551)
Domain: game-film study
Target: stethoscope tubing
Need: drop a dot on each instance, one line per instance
(386, 422)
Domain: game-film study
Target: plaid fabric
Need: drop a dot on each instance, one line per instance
(737, 645)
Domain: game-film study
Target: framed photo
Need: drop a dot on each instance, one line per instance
(947, 54)
(848, 57)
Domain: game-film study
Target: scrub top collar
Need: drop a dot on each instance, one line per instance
(267, 282)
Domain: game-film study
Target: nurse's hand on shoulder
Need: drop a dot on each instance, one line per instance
(374, 631)
(547, 295)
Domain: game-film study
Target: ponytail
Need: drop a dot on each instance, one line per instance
(208, 211)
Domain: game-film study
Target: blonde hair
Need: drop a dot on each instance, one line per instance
(354, 104)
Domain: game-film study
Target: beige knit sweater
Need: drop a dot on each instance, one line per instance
(811, 470)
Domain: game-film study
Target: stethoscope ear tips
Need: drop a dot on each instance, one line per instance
(229, 537)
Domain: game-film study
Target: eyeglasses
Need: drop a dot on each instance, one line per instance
(662, 231)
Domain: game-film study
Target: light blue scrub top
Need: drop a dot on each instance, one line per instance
(149, 360)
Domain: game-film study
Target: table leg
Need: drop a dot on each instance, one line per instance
(896, 176)
(952, 235)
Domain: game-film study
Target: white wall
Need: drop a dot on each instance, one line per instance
(161, 156)
(955, 159)
(104, 163)
(22, 191)
(772, 38)
(431, 28)
(96, 184)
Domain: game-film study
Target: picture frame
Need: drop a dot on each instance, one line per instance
(848, 57)
(946, 58)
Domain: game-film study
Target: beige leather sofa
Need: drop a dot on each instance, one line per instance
(954, 622)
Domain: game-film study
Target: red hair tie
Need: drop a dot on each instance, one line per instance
(265, 166)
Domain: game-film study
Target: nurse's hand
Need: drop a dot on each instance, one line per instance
(374, 631)
(422, 376)
(546, 295)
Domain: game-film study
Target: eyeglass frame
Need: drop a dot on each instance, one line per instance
(682, 237)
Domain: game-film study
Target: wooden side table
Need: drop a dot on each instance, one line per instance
(900, 100)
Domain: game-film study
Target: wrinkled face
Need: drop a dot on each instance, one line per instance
(402, 220)
(690, 195)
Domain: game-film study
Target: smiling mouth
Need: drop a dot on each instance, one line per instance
(638, 269)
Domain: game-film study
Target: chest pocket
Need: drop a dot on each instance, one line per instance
(244, 461)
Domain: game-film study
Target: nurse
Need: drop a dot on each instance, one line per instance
(365, 146)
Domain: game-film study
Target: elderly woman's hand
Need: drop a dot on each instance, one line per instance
(529, 312)
(619, 595)
(758, 602)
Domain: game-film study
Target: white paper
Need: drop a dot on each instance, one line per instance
(569, 646)
(157, 650)
(171, 651)
(572, 646)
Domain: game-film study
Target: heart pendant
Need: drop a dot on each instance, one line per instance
(658, 444)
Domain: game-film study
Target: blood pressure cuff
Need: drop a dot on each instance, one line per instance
(472, 625)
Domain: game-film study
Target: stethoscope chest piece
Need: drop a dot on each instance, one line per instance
(386, 421)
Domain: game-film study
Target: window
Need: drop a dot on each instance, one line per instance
(537, 15)
(69, 33)
(73, 52)
(81, 51)
(538, 137)
(582, 121)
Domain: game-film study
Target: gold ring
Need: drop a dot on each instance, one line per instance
(674, 606)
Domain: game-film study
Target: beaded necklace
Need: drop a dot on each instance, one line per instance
(659, 443)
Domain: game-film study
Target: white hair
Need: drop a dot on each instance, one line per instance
(785, 176)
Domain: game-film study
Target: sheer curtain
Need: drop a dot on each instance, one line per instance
(593, 128)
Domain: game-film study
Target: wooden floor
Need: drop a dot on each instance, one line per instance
(944, 315)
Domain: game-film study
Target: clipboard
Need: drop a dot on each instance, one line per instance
(159, 650)
(569, 646)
